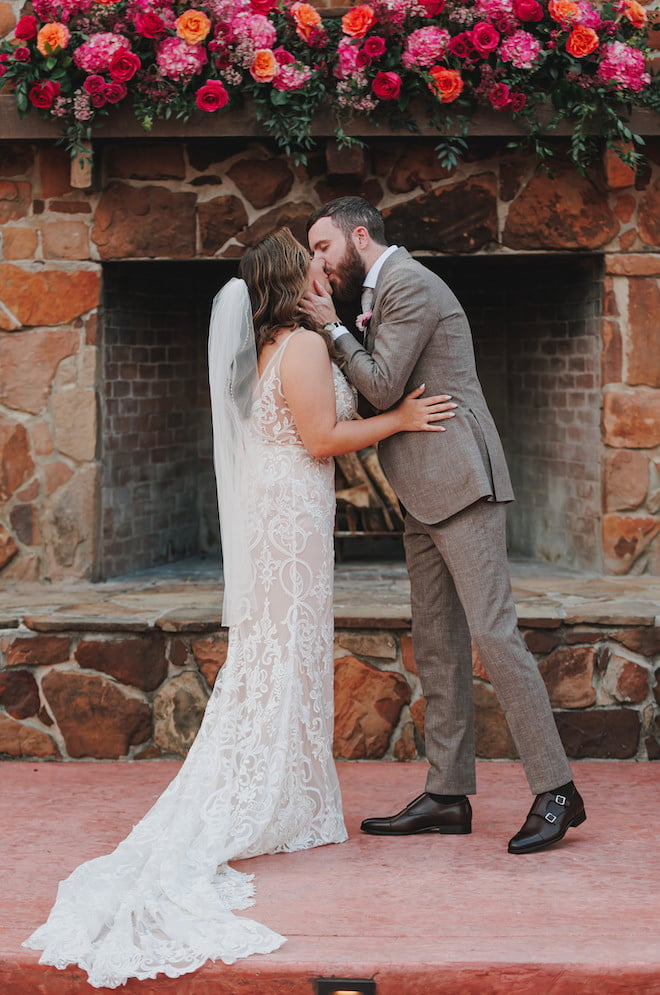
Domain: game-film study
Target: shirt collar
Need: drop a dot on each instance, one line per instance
(372, 275)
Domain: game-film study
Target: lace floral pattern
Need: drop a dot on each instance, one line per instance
(259, 777)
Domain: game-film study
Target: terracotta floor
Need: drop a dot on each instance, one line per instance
(427, 915)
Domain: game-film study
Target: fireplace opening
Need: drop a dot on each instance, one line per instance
(536, 329)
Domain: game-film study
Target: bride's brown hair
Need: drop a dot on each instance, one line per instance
(275, 271)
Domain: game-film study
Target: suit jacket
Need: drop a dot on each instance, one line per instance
(419, 333)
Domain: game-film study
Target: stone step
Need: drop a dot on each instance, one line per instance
(94, 670)
(424, 915)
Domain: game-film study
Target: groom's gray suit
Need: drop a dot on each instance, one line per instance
(453, 486)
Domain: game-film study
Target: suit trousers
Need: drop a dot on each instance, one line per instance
(461, 594)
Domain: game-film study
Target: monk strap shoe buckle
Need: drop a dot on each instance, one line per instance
(549, 817)
(561, 800)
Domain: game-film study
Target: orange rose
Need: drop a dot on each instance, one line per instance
(193, 26)
(581, 41)
(52, 36)
(448, 84)
(357, 21)
(306, 18)
(635, 13)
(265, 66)
(563, 10)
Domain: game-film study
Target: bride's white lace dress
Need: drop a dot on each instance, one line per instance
(259, 777)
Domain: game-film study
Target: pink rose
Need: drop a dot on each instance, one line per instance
(212, 96)
(42, 95)
(362, 321)
(22, 54)
(387, 86)
(263, 6)
(115, 91)
(26, 28)
(499, 96)
(123, 65)
(149, 25)
(94, 84)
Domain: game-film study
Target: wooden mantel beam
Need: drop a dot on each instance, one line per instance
(242, 123)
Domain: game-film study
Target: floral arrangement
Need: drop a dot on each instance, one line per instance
(76, 59)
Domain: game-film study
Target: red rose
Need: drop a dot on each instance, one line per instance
(461, 45)
(484, 38)
(94, 84)
(433, 7)
(97, 99)
(22, 54)
(499, 96)
(149, 25)
(123, 65)
(518, 101)
(374, 47)
(387, 86)
(284, 58)
(263, 6)
(26, 28)
(528, 10)
(42, 95)
(4, 59)
(115, 91)
(212, 96)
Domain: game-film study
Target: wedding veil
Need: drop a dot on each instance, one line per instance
(233, 377)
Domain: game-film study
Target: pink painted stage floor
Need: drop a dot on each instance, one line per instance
(425, 915)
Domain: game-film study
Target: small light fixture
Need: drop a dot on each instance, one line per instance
(345, 986)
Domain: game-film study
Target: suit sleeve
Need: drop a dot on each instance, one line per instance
(408, 315)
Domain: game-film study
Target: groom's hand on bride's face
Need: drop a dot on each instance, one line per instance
(318, 303)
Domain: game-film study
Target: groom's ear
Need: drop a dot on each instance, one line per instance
(361, 237)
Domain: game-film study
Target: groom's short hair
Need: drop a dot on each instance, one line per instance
(349, 213)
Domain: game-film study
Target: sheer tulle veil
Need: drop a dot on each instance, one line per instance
(233, 378)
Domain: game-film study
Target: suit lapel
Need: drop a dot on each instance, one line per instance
(372, 330)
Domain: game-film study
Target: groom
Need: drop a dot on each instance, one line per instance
(453, 487)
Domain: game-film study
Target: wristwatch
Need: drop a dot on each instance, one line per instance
(331, 326)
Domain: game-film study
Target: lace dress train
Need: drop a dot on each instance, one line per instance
(259, 777)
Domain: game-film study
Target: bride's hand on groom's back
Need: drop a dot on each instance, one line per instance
(424, 414)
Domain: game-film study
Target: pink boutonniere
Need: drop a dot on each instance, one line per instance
(362, 321)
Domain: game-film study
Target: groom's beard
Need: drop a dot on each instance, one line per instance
(348, 276)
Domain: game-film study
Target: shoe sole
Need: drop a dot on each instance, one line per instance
(441, 830)
(577, 821)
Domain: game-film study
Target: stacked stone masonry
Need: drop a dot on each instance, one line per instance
(141, 693)
(207, 200)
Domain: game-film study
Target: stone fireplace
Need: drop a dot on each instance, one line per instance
(538, 353)
(105, 464)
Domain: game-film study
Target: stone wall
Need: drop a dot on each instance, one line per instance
(140, 692)
(207, 200)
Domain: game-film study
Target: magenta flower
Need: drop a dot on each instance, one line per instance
(521, 49)
(425, 47)
(623, 67)
(94, 56)
(176, 59)
(292, 76)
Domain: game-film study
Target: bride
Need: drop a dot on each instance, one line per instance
(260, 776)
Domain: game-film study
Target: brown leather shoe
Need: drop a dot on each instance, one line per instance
(424, 815)
(549, 818)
